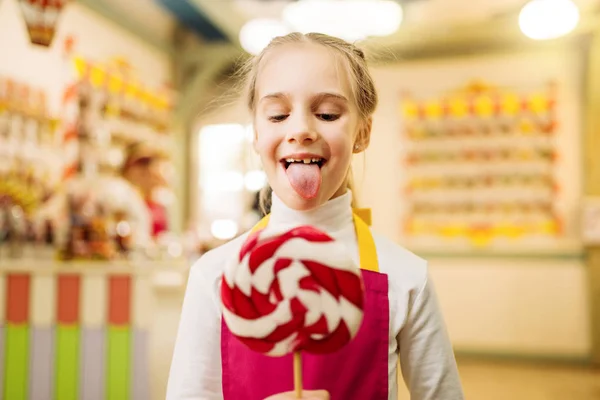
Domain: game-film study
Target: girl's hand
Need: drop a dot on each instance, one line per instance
(306, 395)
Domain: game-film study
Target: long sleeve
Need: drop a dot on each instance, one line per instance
(426, 355)
(196, 366)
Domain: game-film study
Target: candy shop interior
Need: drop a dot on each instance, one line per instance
(126, 153)
(91, 245)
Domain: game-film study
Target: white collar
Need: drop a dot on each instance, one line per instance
(333, 216)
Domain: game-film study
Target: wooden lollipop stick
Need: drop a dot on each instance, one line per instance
(298, 374)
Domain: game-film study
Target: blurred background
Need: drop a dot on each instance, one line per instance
(125, 154)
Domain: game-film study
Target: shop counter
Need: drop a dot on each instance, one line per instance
(82, 330)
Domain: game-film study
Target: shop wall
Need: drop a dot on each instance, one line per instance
(531, 302)
(95, 38)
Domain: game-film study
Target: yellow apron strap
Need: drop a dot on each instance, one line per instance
(367, 251)
(261, 224)
(364, 214)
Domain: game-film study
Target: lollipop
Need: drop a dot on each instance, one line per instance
(291, 291)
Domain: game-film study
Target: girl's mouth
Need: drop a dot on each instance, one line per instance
(311, 160)
(304, 173)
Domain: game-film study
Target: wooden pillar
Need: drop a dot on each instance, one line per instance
(591, 151)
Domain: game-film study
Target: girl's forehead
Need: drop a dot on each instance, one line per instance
(302, 68)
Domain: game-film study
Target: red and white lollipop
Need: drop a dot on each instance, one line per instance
(291, 291)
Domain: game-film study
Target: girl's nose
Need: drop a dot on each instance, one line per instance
(301, 129)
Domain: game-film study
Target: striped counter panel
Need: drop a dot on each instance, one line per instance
(68, 336)
(42, 339)
(72, 336)
(93, 351)
(16, 340)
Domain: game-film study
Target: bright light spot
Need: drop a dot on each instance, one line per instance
(255, 180)
(231, 181)
(249, 133)
(224, 134)
(217, 142)
(548, 19)
(123, 229)
(224, 229)
(351, 20)
(256, 34)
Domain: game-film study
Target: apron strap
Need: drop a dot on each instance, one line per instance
(367, 252)
(261, 224)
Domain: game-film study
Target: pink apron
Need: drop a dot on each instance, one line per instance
(359, 371)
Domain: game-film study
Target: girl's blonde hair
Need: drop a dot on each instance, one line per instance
(361, 83)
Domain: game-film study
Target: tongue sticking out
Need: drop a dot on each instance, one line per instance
(305, 179)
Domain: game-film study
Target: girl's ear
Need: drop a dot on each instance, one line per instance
(364, 136)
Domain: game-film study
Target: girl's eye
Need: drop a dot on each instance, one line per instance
(328, 117)
(278, 118)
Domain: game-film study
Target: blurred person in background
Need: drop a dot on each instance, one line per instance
(142, 168)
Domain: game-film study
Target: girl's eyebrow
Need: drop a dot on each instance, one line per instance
(319, 97)
(274, 96)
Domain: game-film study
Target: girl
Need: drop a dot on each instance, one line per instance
(312, 101)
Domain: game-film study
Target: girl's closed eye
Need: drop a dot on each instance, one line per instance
(328, 117)
(277, 117)
(328, 111)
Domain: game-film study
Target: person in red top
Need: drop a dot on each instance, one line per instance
(142, 168)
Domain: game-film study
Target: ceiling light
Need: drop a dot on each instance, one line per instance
(348, 19)
(352, 20)
(256, 34)
(548, 19)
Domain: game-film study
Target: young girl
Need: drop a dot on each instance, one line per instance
(312, 101)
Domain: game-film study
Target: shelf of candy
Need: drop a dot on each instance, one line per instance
(22, 235)
(92, 233)
(104, 216)
(26, 129)
(480, 166)
(122, 110)
(29, 167)
(103, 227)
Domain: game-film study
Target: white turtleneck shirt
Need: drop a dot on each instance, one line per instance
(417, 332)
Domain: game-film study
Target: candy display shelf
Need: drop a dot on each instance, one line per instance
(481, 168)
(29, 151)
(112, 109)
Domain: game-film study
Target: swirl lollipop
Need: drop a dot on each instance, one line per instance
(292, 291)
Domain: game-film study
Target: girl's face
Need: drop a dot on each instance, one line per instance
(305, 124)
